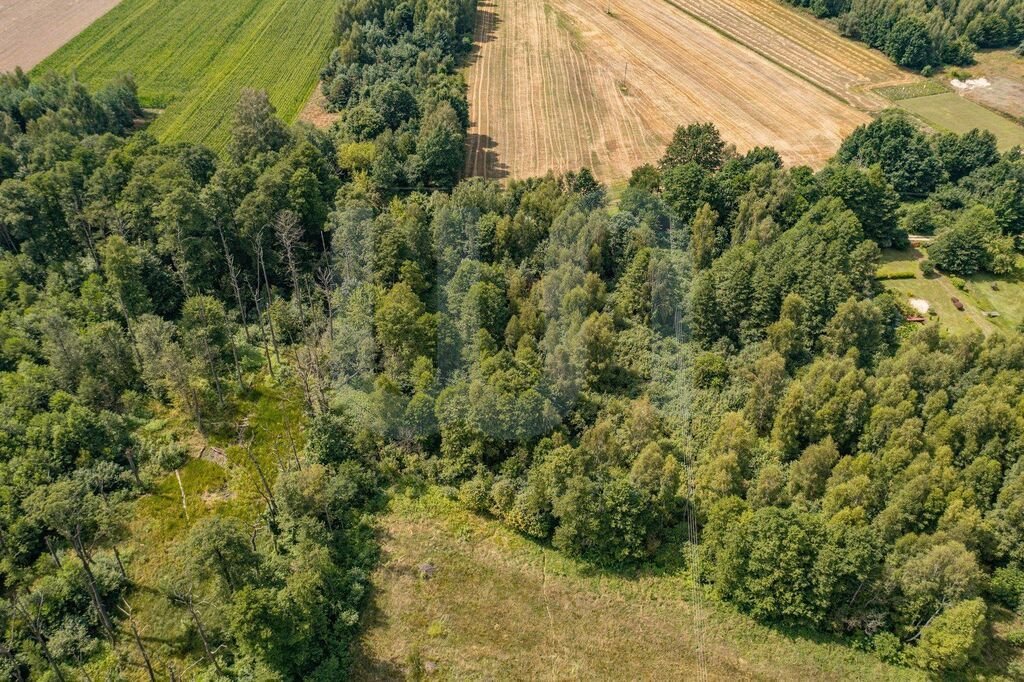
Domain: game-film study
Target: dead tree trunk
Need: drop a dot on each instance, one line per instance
(263, 331)
(120, 564)
(233, 278)
(190, 605)
(261, 265)
(52, 551)
(131, 465)
(90, 579)
(127, 611)
(267, 492)
(35, 627)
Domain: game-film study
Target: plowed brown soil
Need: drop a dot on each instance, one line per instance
(32, 29)
(560, 84)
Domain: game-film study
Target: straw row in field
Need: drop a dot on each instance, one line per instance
(803, 45)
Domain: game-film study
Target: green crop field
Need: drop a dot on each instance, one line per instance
(914, 89)
(951, 112)
(192, 57)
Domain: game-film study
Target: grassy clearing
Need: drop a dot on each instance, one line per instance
(984, 293)
(1004, 71)
(950, 111)
(214, 483)
(501, 607)
(192, 57)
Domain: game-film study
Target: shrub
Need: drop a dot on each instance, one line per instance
(949, 641)
(1007, 585)
(503, 495)
(710, 370)
(923, 217)
(902, 274)
(330, 438)
(927, 268)
(887, 647)
(475, 494)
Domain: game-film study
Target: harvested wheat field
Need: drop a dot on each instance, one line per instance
(32, 29)
(804, 45)
(560, 84)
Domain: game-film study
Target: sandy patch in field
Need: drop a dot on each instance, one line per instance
(560, 84)
(315, 112)
(920, 305)
(970, 84)
(31, 29)
(1004, 72)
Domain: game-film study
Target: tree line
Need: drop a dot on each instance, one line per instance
(716, 361)
(919, 34)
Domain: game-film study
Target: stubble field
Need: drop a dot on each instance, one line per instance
(559, 84)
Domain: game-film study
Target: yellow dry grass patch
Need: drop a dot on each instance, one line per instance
(499, 607)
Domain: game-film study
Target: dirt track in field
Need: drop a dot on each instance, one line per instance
(560, 84)
(31, 29)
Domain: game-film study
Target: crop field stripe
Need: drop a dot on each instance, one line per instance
(192, 57)
(596, 134)
(238, 61)
(787, 67)
(792, 38)
(791, 26)
(576, 103)
(108, 46)
(577, 106)
(552, 105)
(482, 29)
(243, 61)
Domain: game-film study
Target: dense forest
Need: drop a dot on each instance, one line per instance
(706, 366)
(922, 33)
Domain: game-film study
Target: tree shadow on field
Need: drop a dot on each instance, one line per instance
(365, 664)
(490, 165)
(487, 22)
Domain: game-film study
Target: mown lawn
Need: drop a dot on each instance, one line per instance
(192, 57)
(983, 294)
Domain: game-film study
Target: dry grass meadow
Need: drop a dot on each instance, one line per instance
(559, 84)
(496, 606)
